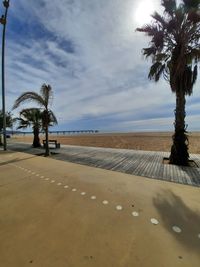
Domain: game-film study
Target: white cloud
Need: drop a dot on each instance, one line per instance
(105, 76)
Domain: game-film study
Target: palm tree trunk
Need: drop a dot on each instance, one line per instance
(179, 150)
(36, 139)
(46, 128)
(47, 152)
(0, 140)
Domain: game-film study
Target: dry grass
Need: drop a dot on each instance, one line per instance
(141, 141)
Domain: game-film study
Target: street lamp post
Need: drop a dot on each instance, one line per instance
(3, 21)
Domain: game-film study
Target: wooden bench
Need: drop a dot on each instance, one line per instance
(57, 145)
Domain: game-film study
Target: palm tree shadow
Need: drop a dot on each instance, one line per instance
(174, 212)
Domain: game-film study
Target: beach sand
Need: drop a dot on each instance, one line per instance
(154, 141)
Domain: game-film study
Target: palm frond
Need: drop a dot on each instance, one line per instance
(33, 116)
(150, 30)
(194, 74)
(158, 39)
(53, 119)
(31, 111)
(28, 97)
(48, 118)
(159, 18)
(156, 70)
(156, 34)
(191, 4)
(149, 51)
(171, 25)
(193, 54)
(161, 57)
(46, 93)
(169, 6)
(179, 16)
(9, 119)
(194, 16)
(22, 123)
(188, 80)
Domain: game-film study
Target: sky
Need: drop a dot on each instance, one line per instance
(90, 53)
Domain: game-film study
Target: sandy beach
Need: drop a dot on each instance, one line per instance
(153, 141)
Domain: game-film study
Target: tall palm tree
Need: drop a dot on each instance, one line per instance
(175, 53)
(43, 100)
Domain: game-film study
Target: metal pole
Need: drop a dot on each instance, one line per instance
(3, 21)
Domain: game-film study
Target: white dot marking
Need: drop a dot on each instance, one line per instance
(93, 197)
(199, 236)
(41, 177)
(59, 183)
(83, 193)
(118, 207)
(52, 181)
(135, 213)
(66, 186)
(46, 179)
(105, 202)
(154, 221)
(176, 229)
(74, 189)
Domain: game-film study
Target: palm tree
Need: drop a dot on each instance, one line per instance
(43, 100)
(31, 117)
(175, 53)
(9, 122)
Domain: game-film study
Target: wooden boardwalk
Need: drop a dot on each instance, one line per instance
(141, 163)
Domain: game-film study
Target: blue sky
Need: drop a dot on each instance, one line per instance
(90, 54)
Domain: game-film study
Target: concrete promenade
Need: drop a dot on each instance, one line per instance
(56, 213)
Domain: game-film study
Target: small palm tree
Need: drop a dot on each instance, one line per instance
(31, 117)
(43, 100)
(175, 52)
(9, 122)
